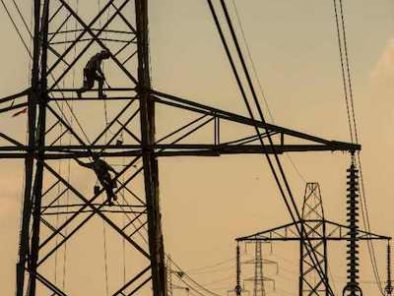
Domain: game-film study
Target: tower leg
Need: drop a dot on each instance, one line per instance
(149, 159)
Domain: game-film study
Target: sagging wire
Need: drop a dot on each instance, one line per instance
(260, 85)
(185, 277)
(275, 165)
(16, 28)
(71, 106)
(352, 122)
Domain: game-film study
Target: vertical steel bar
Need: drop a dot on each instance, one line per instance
(151, 177)
(29, 160)
(42, 100)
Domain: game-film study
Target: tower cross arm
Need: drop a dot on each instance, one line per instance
(285, 140)
(333, 232)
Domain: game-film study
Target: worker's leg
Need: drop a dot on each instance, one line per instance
(108, 185)
(100, 81)
(110, 194)
(88, 82)
(107, 188)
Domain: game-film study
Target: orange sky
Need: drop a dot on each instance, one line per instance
(207, 202)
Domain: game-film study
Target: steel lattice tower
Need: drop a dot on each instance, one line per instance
(259, 289)
(60, 129)
(258, 279)
(51, 18)
(314, 227)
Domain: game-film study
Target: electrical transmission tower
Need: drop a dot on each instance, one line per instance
(313, 224)
(318, 231)
(259, 279)
(62, 127)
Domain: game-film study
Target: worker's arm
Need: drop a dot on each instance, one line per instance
(86, 165)
(110, 168)
(100, 71)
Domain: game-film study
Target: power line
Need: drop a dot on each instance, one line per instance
(260, 85)
(186, 275)
(352, 122)
(16, 28)
(279, 175)
(203, 268)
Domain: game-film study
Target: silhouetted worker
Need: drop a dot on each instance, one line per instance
(102, 169)
(93, 72)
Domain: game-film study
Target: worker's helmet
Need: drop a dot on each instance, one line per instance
(105, 53)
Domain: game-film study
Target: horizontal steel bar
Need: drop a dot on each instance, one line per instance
(75, 99)
(161, 150)
(178, 102)
(93, 30)
(327, 238)
(61, 90)
(91, 211)
(90, 39)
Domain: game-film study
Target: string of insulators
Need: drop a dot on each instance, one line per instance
(352, 288)
(389, 288)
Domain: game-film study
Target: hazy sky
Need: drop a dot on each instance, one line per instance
(207, 202)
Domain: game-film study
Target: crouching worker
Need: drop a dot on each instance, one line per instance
(93, 72)
(102, 170)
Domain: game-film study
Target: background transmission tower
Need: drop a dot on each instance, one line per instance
(259, 289)
(258, 263)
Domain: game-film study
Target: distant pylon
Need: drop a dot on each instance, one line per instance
(259, 289)
(258, 279)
